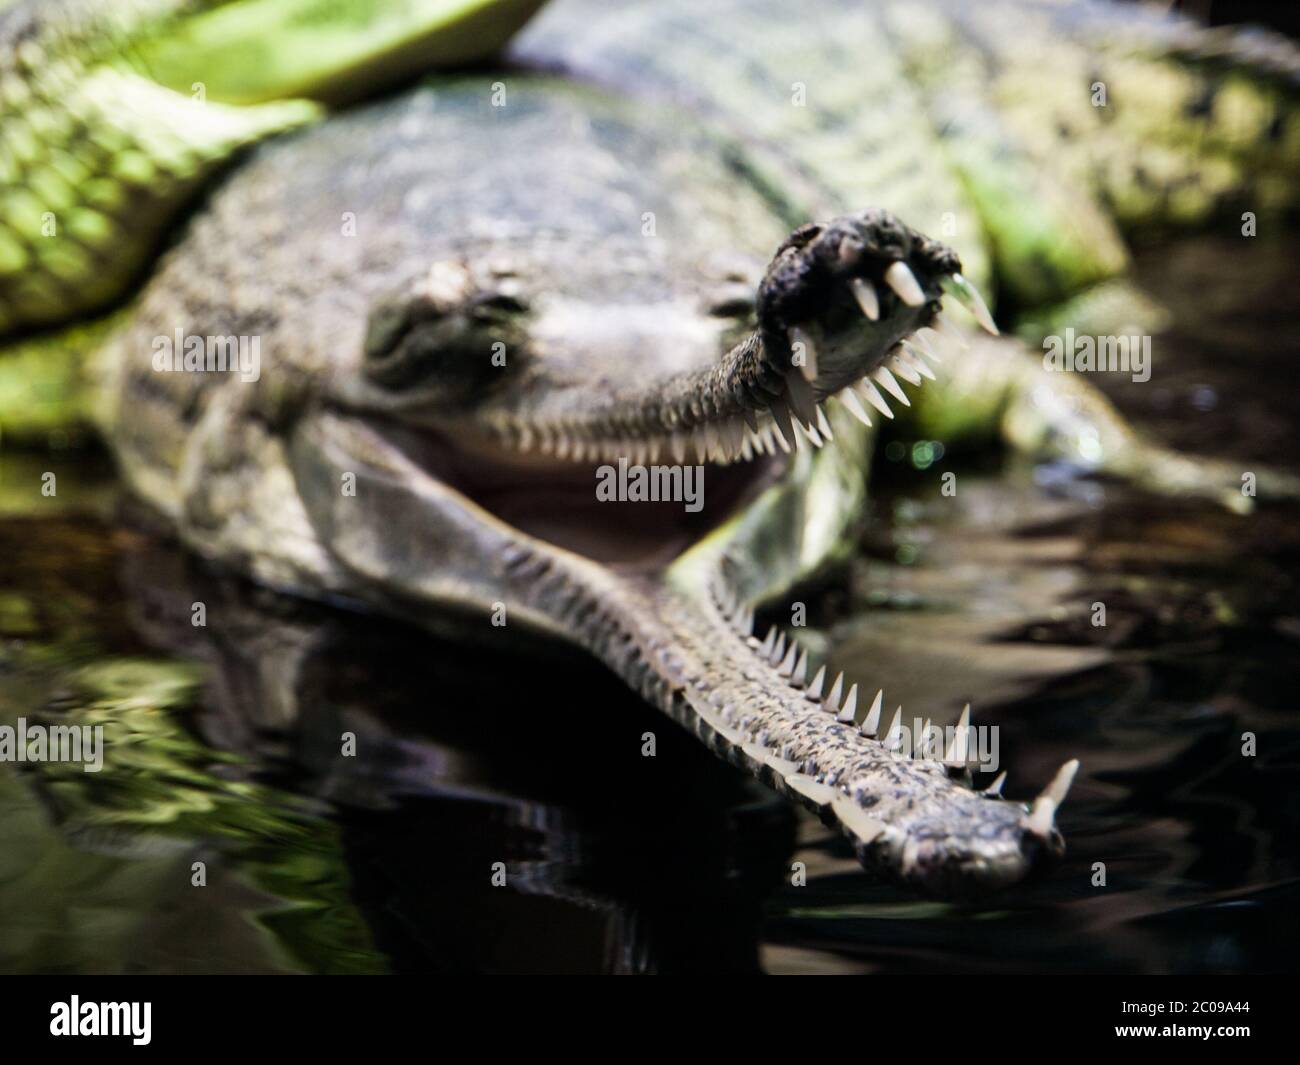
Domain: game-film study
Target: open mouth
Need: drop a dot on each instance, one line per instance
(849, 312)
(621, 513)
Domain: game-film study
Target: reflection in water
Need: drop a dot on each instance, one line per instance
(225, 744)
(224, 747)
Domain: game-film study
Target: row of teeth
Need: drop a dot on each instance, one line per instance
(792, 665)
(797, 418)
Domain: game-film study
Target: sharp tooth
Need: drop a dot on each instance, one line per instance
(677, 445)
(808, 368)
(903, 368)
(712, 443)
(943, 325)
(824, 425)
(915, 362)
(850, 708)
(784, 425)
(813, 436)
(901, 279)
(968, 296)
(1043, 813)
(850, 399)
(994, 790)
(922, 346)
(751, 419)
(833, 700)
(800, 677)
(871, 723)
(778, 652)
(894, 737)
(745, 625)
(959, 748)
(872, 395)
(700, 442)
(865, 293)
(786, 668)
(814, 691)
(768, 643)
(886, 379)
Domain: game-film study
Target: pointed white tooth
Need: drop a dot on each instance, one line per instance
(809, 433)
(900, 278)
(833, 700)
(886, 379)
(903, 368)
(968, 296)
(677, 445)
(894, 737)
(850, 399)
(808, 366)
(769, 643)
(915, 362)
(778, 652)
(1043, 813)
(814, 691)
(868, 390)
(800, 676)
(958, 749)
(712, 444)
(850, 708)
(994, 790)
(786, 668)
(823, 424)
(921, 346)
(943, 325)
(871, 723)
(865, 293)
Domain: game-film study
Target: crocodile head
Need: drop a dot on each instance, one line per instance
(443, 394)
(506, 375)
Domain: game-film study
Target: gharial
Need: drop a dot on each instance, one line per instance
(559, 264)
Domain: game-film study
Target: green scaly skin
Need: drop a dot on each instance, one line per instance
(116, 114)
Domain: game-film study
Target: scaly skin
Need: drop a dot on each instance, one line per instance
(474, 481)
(114, 114)
(974, 121)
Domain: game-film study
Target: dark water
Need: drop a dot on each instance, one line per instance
(226, 738)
